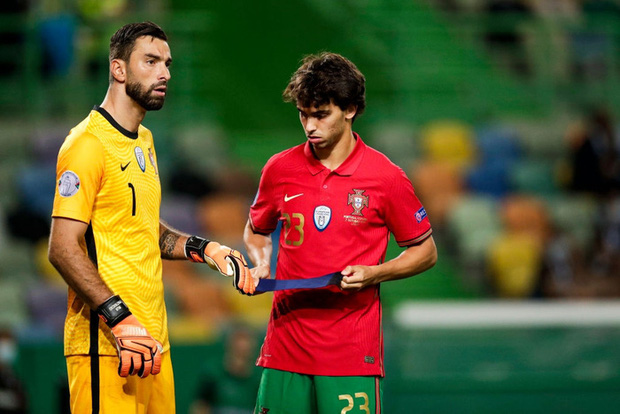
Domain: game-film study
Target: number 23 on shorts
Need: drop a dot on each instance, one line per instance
(363, 406)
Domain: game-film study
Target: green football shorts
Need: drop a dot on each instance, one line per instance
(282, 392)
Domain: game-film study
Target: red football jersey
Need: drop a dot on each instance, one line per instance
(332, 219)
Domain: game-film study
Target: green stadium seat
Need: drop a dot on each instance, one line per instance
(12, 303)
(474, 222)
(533, 177)
(576, 215)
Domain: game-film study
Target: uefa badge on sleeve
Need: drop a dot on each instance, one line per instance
(420, 214)
(69, 184)
(322, 217)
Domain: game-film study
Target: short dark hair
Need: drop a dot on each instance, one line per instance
(327, 77)
(122, 42)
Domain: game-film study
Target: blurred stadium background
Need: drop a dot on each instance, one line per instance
(502, 112)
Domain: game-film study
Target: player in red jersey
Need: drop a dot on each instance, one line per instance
(338, 201)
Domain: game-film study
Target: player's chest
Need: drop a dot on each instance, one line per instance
(131, 162)
(330, 201)
(131, 177)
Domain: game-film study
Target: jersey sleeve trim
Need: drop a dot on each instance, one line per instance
(71, 215)
(417, 240)
(264, 232)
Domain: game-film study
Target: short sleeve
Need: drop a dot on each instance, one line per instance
(404, 213)
(79, 174)
(264, 212)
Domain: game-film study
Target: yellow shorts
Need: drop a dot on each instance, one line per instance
(105, 392)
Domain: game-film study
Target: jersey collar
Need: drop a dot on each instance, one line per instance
(348, 167)
(116, 125)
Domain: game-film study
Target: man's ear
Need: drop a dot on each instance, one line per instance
(350, 112)
(118, 70)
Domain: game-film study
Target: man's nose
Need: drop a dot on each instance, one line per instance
(310, 125)
(165, 74)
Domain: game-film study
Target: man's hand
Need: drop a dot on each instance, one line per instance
(357, 277)
(225, 260)
(259, 272)
(220, 257)
(242, 280)
(138, 352)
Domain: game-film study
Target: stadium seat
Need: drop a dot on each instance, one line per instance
(498, 143)
(43, 266)
(396, 140)
(194, 294)
(16, 261)
(514, 261)
(576, 215)
(180, 210)
(490, 178)
(223, 216)
(474, 222)
(36, 185)
(544, 138)
(533, 177)
(525, 214)
(47, 307)
(12, 304)
(438, 185)
(449, 141)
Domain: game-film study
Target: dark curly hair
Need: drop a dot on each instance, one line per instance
(122, 42)
(324, 78)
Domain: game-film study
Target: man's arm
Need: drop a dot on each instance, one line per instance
(138, 352)
(67, 252)
(171, 242)
(175, 245)
(259, 248)
(416, 259)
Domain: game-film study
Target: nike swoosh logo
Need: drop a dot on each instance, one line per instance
(287, 198)
(124, 167)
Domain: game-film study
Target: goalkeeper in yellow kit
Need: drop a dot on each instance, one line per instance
(107, 239)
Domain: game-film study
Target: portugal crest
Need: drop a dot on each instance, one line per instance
(358, 201)
(152, 158)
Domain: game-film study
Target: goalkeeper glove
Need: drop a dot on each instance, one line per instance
(225, 260)
(138, 352)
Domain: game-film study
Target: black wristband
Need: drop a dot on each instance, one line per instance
(113, 310)
(195, 248)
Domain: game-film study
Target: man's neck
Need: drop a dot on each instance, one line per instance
(334, 156)
(123, 109)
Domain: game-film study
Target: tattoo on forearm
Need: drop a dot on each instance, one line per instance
(167, 243)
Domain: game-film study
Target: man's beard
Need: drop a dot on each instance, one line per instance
(145, 98)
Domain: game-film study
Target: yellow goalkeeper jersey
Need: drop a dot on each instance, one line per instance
(107, 177)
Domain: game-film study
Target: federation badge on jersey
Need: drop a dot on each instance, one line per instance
(140, 158)
(69, 184)
(152, 158)
(358, 201)
(322, 217)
